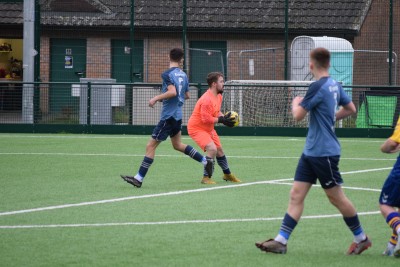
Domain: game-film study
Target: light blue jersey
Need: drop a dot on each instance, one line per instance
(321, 101)
(172, 107)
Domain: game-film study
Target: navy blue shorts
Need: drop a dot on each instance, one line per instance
(325, 169)
(165, 128)
(390, 194)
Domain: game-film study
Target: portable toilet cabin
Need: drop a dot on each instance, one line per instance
(342, 54)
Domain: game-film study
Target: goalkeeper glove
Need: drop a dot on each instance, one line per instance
(227, 120)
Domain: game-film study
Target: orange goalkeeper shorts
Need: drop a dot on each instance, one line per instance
(203, 138)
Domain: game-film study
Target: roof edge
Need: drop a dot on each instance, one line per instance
(362, 17)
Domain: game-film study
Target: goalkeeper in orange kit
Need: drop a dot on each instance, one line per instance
(200, 127)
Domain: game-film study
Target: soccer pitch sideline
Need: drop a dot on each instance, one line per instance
(64, 204)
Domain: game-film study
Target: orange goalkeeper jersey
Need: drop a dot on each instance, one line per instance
(207, 108)
(396, 134)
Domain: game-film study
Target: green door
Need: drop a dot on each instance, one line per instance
(67, 64)
(121, 67)
(120, 58)
(206, 57)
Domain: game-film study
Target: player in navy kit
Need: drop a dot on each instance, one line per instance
(320, 157)
(174, 91)
(389, 200)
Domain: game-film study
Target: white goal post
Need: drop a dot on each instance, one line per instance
(264, 103)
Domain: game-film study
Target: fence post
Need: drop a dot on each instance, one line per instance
(28, 60)
(286, 38)
(132, 40)
(36, 92)
(184, 35)
(89, 92)
(390, 40)
(132, 60)
(198, 91)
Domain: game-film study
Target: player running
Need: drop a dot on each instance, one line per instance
(174, 91)
(200, 127)
(321, 154)
(389, 199)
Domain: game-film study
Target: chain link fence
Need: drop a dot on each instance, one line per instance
(259, 104)
(127, 42)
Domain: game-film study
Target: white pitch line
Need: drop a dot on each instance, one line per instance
(159, 195)
(175, 222)
(350, 187)
(362, 189)
(368, 170)
(137, 197)
(166, 155)
(374, 159)
(345, 187)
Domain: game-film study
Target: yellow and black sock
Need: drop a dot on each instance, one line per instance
(393, 239)
(393, 220)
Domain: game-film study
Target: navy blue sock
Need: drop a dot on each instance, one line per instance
(223, 163)
(205, 173)
(287, 227)
(191, 152)
(354, 225)
(144, 167)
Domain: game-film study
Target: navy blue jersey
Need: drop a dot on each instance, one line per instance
(321, 101)
(390, 194)
(172, 107)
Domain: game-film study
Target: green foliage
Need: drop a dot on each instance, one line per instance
(120, 115)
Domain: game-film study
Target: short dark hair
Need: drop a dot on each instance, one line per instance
(176, 54)
(321, 57)
(213, 77)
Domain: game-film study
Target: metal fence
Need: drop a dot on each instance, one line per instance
(254, 40)
(126, 43)
(259, 105)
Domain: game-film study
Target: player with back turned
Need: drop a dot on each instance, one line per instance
(174, 91)
(320, 157)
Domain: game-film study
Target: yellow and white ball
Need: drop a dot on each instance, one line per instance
(234, 115)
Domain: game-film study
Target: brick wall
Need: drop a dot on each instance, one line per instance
(157, 56)
(267, 55)
(44, 73)
(98, 58)
(372, 67)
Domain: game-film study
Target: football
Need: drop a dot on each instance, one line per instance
(235, 115)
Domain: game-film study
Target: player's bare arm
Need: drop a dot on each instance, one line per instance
(187, 95)
(298, 111)
(346, 111)
(171, 92)
(390, 146)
